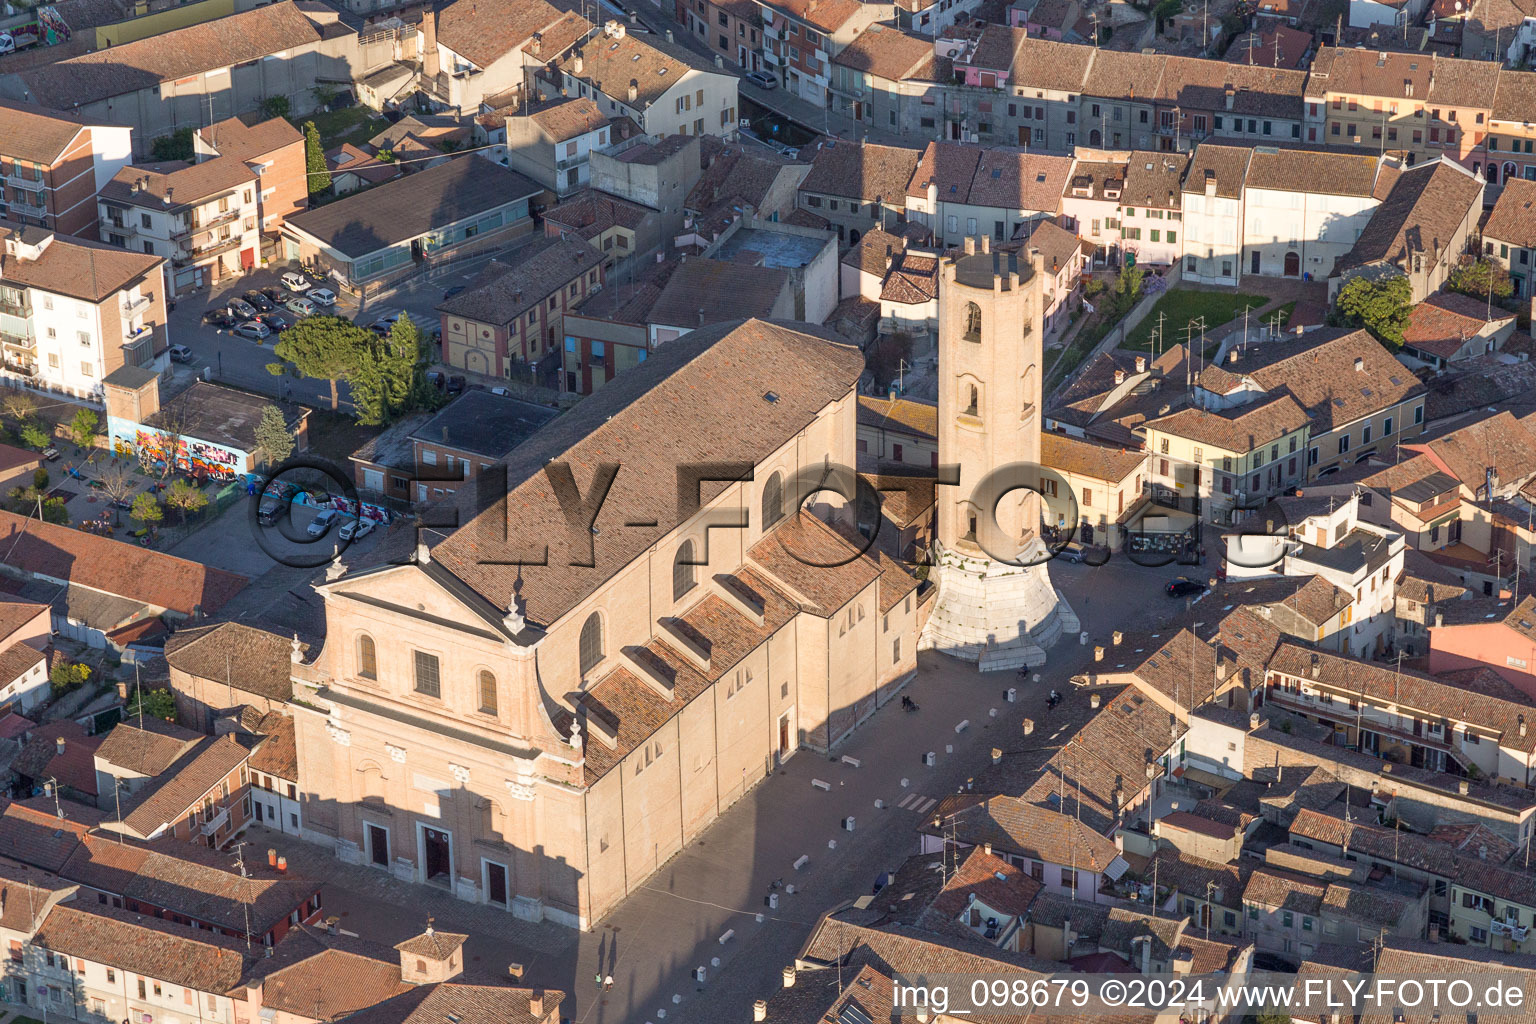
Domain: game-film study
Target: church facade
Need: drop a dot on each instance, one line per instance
(538, 707)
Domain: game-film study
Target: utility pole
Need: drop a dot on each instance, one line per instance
(245, 895)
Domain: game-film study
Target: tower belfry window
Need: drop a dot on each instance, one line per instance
(972, 322)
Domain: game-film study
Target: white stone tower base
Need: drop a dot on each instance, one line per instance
(998, 615)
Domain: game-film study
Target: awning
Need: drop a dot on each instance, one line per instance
(1217, 782)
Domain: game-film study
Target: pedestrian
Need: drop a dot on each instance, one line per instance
(598, 978)
(608, 983)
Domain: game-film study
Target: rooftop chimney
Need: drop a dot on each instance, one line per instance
(789, 976)
(760, 1010)
(1141, 364)
(58, 746)
(536, 1003)
(1119, 376)
(1463, 787)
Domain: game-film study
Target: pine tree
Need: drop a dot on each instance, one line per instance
(314, 159)
(273, 436)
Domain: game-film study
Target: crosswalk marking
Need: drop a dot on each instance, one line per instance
(917, 802)
(926, 806)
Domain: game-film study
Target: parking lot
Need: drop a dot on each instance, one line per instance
(235, 542)
(225, 357)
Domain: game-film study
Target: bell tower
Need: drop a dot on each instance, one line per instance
(989, 610)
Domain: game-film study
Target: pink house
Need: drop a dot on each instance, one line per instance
(1492, 632)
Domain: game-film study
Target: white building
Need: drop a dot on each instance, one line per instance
(1213, 214)
(1302, 210)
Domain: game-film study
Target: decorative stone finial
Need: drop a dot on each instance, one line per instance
(514, 620)
(575, 734)
(297, 655)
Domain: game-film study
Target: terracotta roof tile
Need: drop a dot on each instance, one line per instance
(145, 748)
(261, 661)
(138, 943)
(861, 171)
(1418, 217)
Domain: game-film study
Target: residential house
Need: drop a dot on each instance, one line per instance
(899, 432)
(961, 192)
(738, 184)
(1044, 112)
(1091, 205)
(1059, 852)
(25, 637)
(1382, 406)
(614, 226)
(73, 312)
(549, 141)
(1151, 208)
(467, 437)
(1238, 103)
(858, 186)
(1498, 632)
(97, 585)
(200, 797)
(199, 74)
(55, 165)
(1510, 131)
(807, 254)
(511, 313)
(1222, 462)
(664, 88)
(657, 173)
(1063, 257)
(1509, 234)
(1118, 106)
(982, 895)
(733, 29)
(210, 218)
(1449, 327)
(1213, 213)
(1304, 209)
(274, 776)
(352, 169)
(203, 664)
(370, 239)
(884, 78)
(1419, 231)
(801, 37)
(1106, 487)
(471, 52)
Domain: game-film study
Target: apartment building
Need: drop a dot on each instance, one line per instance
(1303, 210)
(858, 187)
(475, 54)
(1106, 484)
(1420, 230)
(52, 167)
(1509, 234)
(1090, 205)
(549, 140)
(1213, 214)
(665, 88)
(1151, 208)
(1219, 461)
(1381, 406)
(1508, 147)
(209, 218)
(800, 38)
(1247, 103)
(961, 191)
(885, 78)
(733, 29)
(73, 311)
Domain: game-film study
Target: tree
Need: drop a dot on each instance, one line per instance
(1273, 1016)
(1381, 307)
(117, 484)
(159, 703)
(1477, 277)
(273, 436)
(146, 509)
(314, 160)
(185, 498)
(20, 406)
(55, 511)
(274, 106)
(887, 356)
(173, 421)
(176, 146)
(391, 378)
(66, 675)
(324, 348)
(84, 426)
(33, 437)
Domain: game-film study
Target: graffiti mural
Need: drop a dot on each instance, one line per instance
(359, 509)
(194, 457)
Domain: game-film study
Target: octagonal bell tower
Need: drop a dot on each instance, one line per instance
(989, 611)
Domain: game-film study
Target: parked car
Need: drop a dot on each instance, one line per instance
(322, 523)
(301, 306)
(451, 292)
(276, 321)
(271, 511)
(322, 297)
(455, 385)
(356, 529)
(220, 318)
(762, 79)
(436, 379)
(295, 281)
(261, 303)
(253, 329)
(181, 354)
(381, 328)
(277, 295)
(1183, 586)
(242, 309)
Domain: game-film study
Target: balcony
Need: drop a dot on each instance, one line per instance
(1345, 715)
(21, 344)
(205, 223)
(22, 309)
(1509, 931)
(209, 249)
(133, 307)
(214, 821)
(18, 208)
